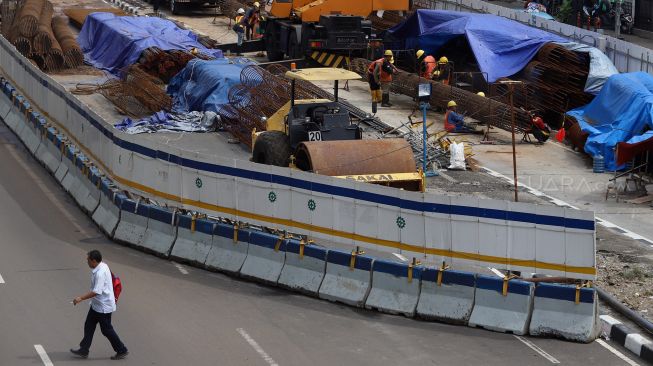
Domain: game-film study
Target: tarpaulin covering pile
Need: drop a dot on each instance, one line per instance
(502, 47)
(621, 112)
(112, 42)
(204, 85)
(163, 121)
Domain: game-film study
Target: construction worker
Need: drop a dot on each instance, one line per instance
(239, 27)
(379, 74)
(539, 129)
(427, 64)
(443, 71)
(251, 18)
(454, 122)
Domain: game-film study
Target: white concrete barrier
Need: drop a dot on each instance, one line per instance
(66, 160)
(78, 189)
(70, 180)
(395, 287)
(92, 181)
(346, 280)
(107, 214)
(31, 132)
(161, 231)
(304, 268)
(13, 117)
(449, 300)
(229, 248)
(194, 239)
(47, 152)
(509, 313)
(564, 312)
(133, 221)
(266, 255)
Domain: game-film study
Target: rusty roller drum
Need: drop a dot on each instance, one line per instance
(356, 157)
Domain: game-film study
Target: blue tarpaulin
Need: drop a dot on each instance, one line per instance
(112, 42)
(204, 85)
(502, 47)
(622, 111)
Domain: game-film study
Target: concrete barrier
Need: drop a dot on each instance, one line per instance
(133, 221)
(91, 181)
(47, 153)
(560, 311)
(346, 283)
(31, 132)
(161, 231)
(107, 214)
(450, 301)
(304, 268)
(510, 313)
(194, 239)
(228, 249)
(395, 287)
(14, 116)
(66, 162)
(78, 189)
(5, 99)
(265, 257)
(68, 173)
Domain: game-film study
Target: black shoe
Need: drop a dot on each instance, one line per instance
(79, 352)
(120, 355)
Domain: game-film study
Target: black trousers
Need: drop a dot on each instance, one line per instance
(92, 319)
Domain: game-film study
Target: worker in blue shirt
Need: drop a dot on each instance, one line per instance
(454, 122)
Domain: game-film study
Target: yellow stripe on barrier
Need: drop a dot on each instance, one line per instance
(235, 233)
(338, 61)
(301, 249)
(329, 60)
(577, 301)
(314, 55)
(441, 270)
(322, 57)
(278, 243)
(192, 223)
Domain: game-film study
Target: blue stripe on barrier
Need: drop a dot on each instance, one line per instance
(318, 187)
(564, 292)
(126, 204)
(143, 209)
(341, 258)
(395, 268)
(227, 231)
(450, 277)
(105, 187)
(266, 240)
(201, 225)
(496, 284)
(119, 200)
(292, 246)
(161, 215)
(94, 175)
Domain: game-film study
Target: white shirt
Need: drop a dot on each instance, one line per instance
(102, 286)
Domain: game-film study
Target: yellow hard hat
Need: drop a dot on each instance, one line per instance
(443, 60)
(451, 104)
(481, 94)
(388, 53)
(420, 53)
(257, 4)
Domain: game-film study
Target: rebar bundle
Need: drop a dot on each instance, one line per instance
(27, 19)
(73, 56)
(42, 41)
(165, 64)
(8, 10)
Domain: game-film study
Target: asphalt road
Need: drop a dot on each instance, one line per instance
(177, 315)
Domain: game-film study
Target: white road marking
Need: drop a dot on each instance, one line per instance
(617, 353)
(180, 268)
(44, 356)
(537, 349)
(256, 347)
(48, 193)
(557, 202)
(400, 256)
(2, 280)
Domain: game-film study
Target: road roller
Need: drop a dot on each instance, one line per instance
(318, 135)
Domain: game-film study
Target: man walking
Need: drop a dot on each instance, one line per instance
(103, 303)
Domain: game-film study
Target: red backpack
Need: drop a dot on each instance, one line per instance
(117, 286)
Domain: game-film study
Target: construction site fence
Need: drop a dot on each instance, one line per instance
(462, 231)
(626, 56)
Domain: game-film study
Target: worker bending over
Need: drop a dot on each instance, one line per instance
(239, 27)
(427, 64)
(443, 71)
(251, 19)
(454, 122)
(539, 129)
(379, 76)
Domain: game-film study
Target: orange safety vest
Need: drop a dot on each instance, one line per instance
(448, 126)
(429, 66)
(383, 76)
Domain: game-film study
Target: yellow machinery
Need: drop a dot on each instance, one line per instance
(299, 27)
(317, 135)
